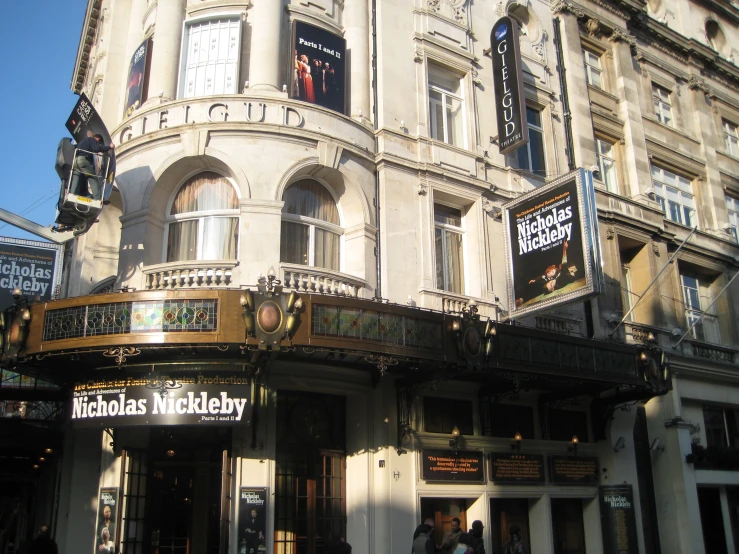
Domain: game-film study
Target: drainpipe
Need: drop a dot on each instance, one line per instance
(375, 112)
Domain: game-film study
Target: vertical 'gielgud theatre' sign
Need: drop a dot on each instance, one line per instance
(513, 130)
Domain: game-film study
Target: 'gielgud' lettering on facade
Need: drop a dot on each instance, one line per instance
(83, 407)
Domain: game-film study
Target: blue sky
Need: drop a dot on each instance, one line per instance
(38, 64)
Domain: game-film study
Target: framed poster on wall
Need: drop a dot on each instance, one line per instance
(107, 516)
(252, 522)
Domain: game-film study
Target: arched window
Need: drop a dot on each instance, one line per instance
(310, 226)
(204, 220)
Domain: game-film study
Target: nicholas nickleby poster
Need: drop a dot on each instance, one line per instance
(552, 245)
(618, 519)
(107, 516)
(252, 531)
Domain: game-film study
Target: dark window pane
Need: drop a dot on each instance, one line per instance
(506, 421)
(563, 424)
(533, 117)
(713, 419)
(536, 145)
(294, 243)
(522, 157)
(442, 414)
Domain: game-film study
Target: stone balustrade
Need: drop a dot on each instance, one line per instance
(317, 280)
(189, 275)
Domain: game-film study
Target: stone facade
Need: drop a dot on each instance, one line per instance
(652, 85)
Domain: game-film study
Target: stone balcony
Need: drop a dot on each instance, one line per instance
(190, 275)
(690, 348)
(451, 303)
(313, 279)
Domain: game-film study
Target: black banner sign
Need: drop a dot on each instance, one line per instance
(252, 529)
(552, 245)
(446, 465)
(136, 79)
(510, 105)
(573, 470)
(618, 520)
(107, 516)
(84, 117)
(517, 468)
(319, 67)
(30, 266)
(191, 400)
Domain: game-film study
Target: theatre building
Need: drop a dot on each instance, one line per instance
(303, 312)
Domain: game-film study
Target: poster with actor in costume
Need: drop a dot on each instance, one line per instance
(552, 253)
(136, 79)
(105, 536)
(252, 532)
(318, 67)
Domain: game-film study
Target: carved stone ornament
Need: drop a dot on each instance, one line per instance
(423, 188)
(487, 206)
(568, 7)
(696, 83)
(476, 77)
(417, 56)
(610, 233)
(434, 5)
(593, 27)
(620, 36)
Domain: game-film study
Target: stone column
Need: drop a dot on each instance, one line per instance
(357, 23)
(266, 45)
(165, 55)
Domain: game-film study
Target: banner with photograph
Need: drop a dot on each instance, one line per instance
(32, 266)
(107, 516)
(252, 528)
(552, 245)
(319, 67)
(136, 79)
(162, 400)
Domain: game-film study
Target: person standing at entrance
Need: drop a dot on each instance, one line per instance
(515, 544)
(422, 542)
(43, 543)
(474, 538)
(451, 538)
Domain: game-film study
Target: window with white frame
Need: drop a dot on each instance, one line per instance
(446, 102)
(605, 156)
(448, 234)
(203, 223)
(731, 138)
(311, 230)
(210, 57)
(732, 206)
(531, 156)
(696, 298)
(675, 195)
(662, 105)
(593, 69)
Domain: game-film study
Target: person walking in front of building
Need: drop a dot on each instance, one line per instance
(515, 544)
(43, 543)
(422, 542)
(473, 538)
(84, 173)
(451, 537)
